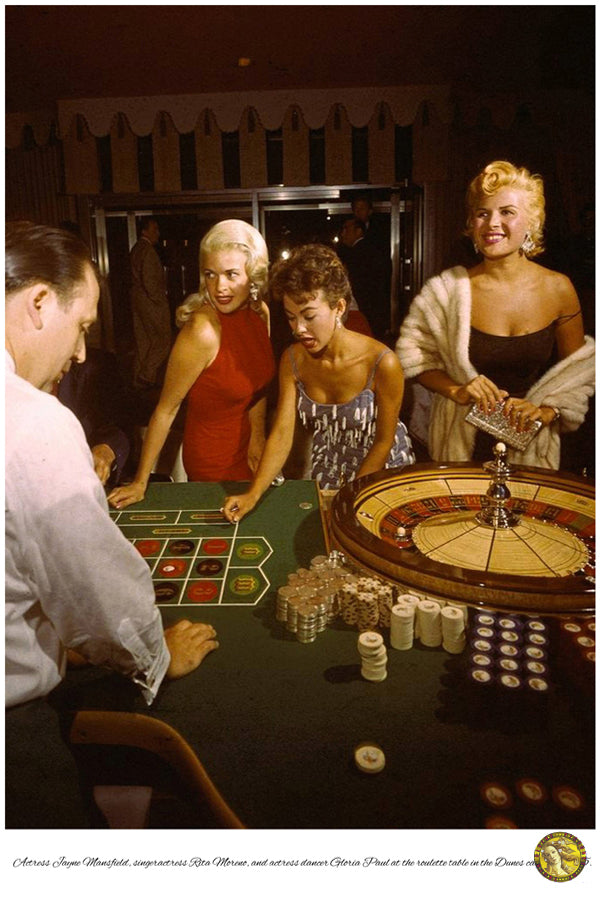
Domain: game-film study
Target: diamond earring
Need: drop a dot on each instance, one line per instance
(254, 298)
(528, 244)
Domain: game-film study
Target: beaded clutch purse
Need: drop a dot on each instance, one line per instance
(496, 424)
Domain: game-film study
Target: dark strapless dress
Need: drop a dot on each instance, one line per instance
(514, 363)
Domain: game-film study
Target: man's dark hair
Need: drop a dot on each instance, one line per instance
(364, 197)
(145, 222)
(38, 253)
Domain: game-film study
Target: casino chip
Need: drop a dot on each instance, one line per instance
(508, 665)
(373, 656)
(531, 790)
(568, 798)
(496, 795)
(172, 568)
(500, 822)
(369, 758)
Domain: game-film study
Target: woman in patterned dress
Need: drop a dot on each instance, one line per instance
(346, 387)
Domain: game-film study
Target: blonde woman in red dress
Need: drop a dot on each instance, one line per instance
(222, 362)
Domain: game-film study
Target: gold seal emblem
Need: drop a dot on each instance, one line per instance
(560, 856)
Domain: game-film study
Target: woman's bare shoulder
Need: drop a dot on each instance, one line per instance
(202, 329)
(363, 343)
(380, 352)
(375, 353)
(557, 288)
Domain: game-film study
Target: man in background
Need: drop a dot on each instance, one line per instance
(150, 307)
(367, 273)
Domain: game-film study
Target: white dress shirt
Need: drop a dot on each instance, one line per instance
(72, 579)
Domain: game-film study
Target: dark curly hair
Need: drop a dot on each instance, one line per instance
(311, 268)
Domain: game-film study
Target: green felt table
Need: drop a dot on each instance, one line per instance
(275, 722)
(282, 533)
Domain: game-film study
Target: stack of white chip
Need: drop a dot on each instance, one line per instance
(367, 602)
(429, 619)
(402, 625)
(373, 656)
(413, 601)
(453, 629)
(463, 608)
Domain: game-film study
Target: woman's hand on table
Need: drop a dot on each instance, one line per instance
(235, 508)
(120, 497)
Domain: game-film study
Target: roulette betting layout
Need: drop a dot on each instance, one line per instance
(196, 557)
(425, 527)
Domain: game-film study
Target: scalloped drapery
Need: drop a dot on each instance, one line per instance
(271, 107)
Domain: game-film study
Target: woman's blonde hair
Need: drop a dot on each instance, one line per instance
(231, 234)
(501, 174)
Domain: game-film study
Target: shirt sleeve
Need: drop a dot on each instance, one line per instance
(92, 585)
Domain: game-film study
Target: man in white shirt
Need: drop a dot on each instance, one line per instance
(74, 584)
(72, 580)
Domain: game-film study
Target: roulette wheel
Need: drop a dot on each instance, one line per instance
(519, 538)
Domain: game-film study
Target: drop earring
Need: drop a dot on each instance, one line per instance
(254, 298)
(528, 244)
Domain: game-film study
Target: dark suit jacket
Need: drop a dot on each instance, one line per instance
(367, 270)
(93, 391)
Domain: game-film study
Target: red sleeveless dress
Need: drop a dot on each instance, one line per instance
(217, 426)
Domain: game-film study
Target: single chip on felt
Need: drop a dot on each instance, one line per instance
(369, 758)
(496, 795)
(568, 797)
(531, 790)
(172, 567)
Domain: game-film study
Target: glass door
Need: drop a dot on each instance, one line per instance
(293, 218)
(285, 217)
